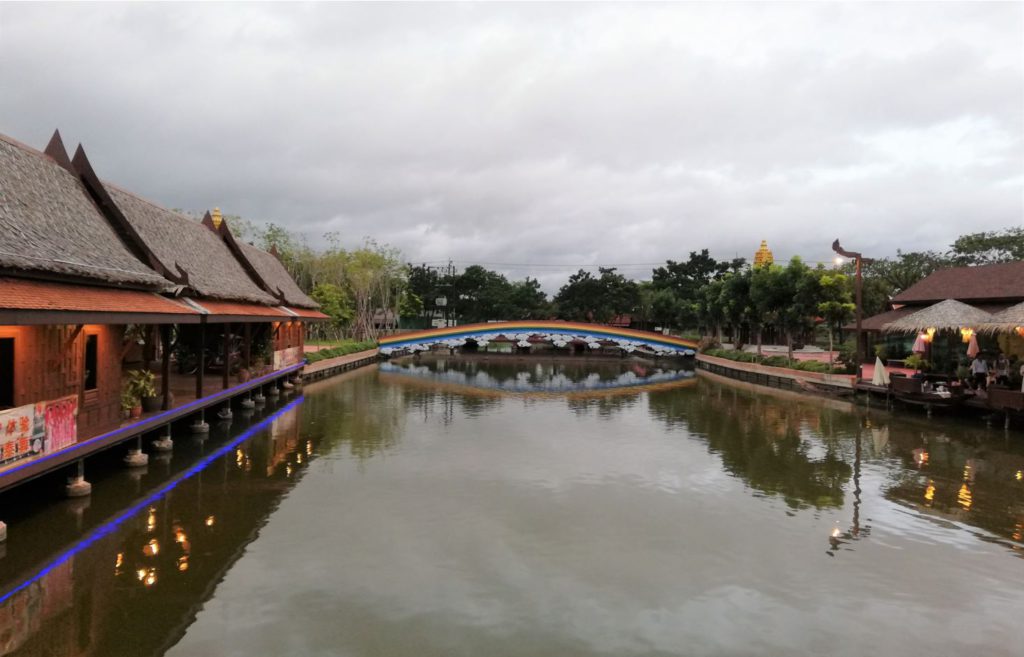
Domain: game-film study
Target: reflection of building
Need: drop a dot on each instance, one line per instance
(87, 272)
(134, 590)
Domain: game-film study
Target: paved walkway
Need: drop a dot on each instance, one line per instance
(340, 360)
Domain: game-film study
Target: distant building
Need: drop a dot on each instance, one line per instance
(764, 255)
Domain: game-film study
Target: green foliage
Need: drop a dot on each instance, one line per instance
(917, 363)
(343, 349)
(600, 298)
(411, 305)
(137, 384)
(989, 247)
(334, 302)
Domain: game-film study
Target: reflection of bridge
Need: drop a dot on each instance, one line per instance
(481, 383)
(525, 334)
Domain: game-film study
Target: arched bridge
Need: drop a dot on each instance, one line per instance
(525, 334)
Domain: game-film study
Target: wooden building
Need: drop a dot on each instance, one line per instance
(87, 269)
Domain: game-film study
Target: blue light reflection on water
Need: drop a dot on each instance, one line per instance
(108, 527)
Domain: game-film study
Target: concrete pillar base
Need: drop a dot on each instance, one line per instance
(77, 487)
(199, 427)
(248, 404)
(225, 413)
(136, 458)
(287, 385)
(164, 444)
(3, 531)
(273, 392)
(259, 400)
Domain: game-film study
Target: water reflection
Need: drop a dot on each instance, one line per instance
(133, 583)
(482, 520)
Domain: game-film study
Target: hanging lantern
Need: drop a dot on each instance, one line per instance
(931, 334)
(1020, 331)
(966, 333)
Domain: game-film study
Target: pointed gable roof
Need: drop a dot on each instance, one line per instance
(184, 244)
(277, 277)
(51, 226)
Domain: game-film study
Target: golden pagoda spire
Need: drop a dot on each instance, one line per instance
(764, 255)
(217, 218)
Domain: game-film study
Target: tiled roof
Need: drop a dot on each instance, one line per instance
(233, 308)
(276, 276)
(213, 271)
(50, 225)
(306, 313)
(1001, 282)
(24, 294)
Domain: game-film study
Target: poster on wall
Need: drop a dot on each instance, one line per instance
(287, 357)
(19, 437)
(59, 418)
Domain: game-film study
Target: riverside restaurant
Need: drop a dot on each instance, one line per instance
(119, 317)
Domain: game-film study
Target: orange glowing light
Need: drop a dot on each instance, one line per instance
(964, 497)
(929, 492)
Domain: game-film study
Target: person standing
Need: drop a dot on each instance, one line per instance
(1002, 370)
(979, 370)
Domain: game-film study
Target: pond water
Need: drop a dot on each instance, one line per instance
(517, 507)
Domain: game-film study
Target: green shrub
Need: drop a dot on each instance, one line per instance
(811, 366)
(344, 349)
(777, 361)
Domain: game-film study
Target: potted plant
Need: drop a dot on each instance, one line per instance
(128, 402)
(917, 363)
(143, 385)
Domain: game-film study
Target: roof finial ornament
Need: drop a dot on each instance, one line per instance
(217, 218)
(764, 255)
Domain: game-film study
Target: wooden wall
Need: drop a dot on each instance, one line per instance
(49, 363)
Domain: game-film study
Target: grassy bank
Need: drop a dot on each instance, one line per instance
(342, 348)
(775, 361)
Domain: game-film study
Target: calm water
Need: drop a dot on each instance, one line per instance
(524, 508)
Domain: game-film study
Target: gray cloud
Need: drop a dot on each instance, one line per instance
(575, 133)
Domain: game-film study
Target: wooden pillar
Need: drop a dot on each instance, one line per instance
(247, 346)
(165, 370)
(201, 358)
(227, 355)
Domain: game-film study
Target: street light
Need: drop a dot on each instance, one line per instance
(859, 260)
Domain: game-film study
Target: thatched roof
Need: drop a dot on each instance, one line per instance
(1006, 320)
(178, 241)
(50, 225)
(998, 282)
(276, 276)
(948, 314)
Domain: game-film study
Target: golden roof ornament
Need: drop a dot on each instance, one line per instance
(764, 255)
(217, 218)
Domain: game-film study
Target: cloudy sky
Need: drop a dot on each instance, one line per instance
(535, 138)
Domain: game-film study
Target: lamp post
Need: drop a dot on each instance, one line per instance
(859, 260)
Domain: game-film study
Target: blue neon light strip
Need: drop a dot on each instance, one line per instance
(108, 527)
(651, 342)
(227, 393)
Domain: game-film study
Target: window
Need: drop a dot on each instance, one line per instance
(91, 347)
(6, 372)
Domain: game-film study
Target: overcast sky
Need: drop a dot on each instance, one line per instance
(537, 134)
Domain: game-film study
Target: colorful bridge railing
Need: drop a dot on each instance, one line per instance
(528, 333)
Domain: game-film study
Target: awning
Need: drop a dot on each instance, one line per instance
(307, 314)
(237, 311)
(26, 301)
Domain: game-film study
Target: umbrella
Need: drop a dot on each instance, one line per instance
(881, 377)
(972, 347)
(919, 345)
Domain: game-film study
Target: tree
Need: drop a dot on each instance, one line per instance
(836, 305)
(597, 299)
(686, 280)
(768, 297)
(987, 248)
(334, 303)
(735, 301)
